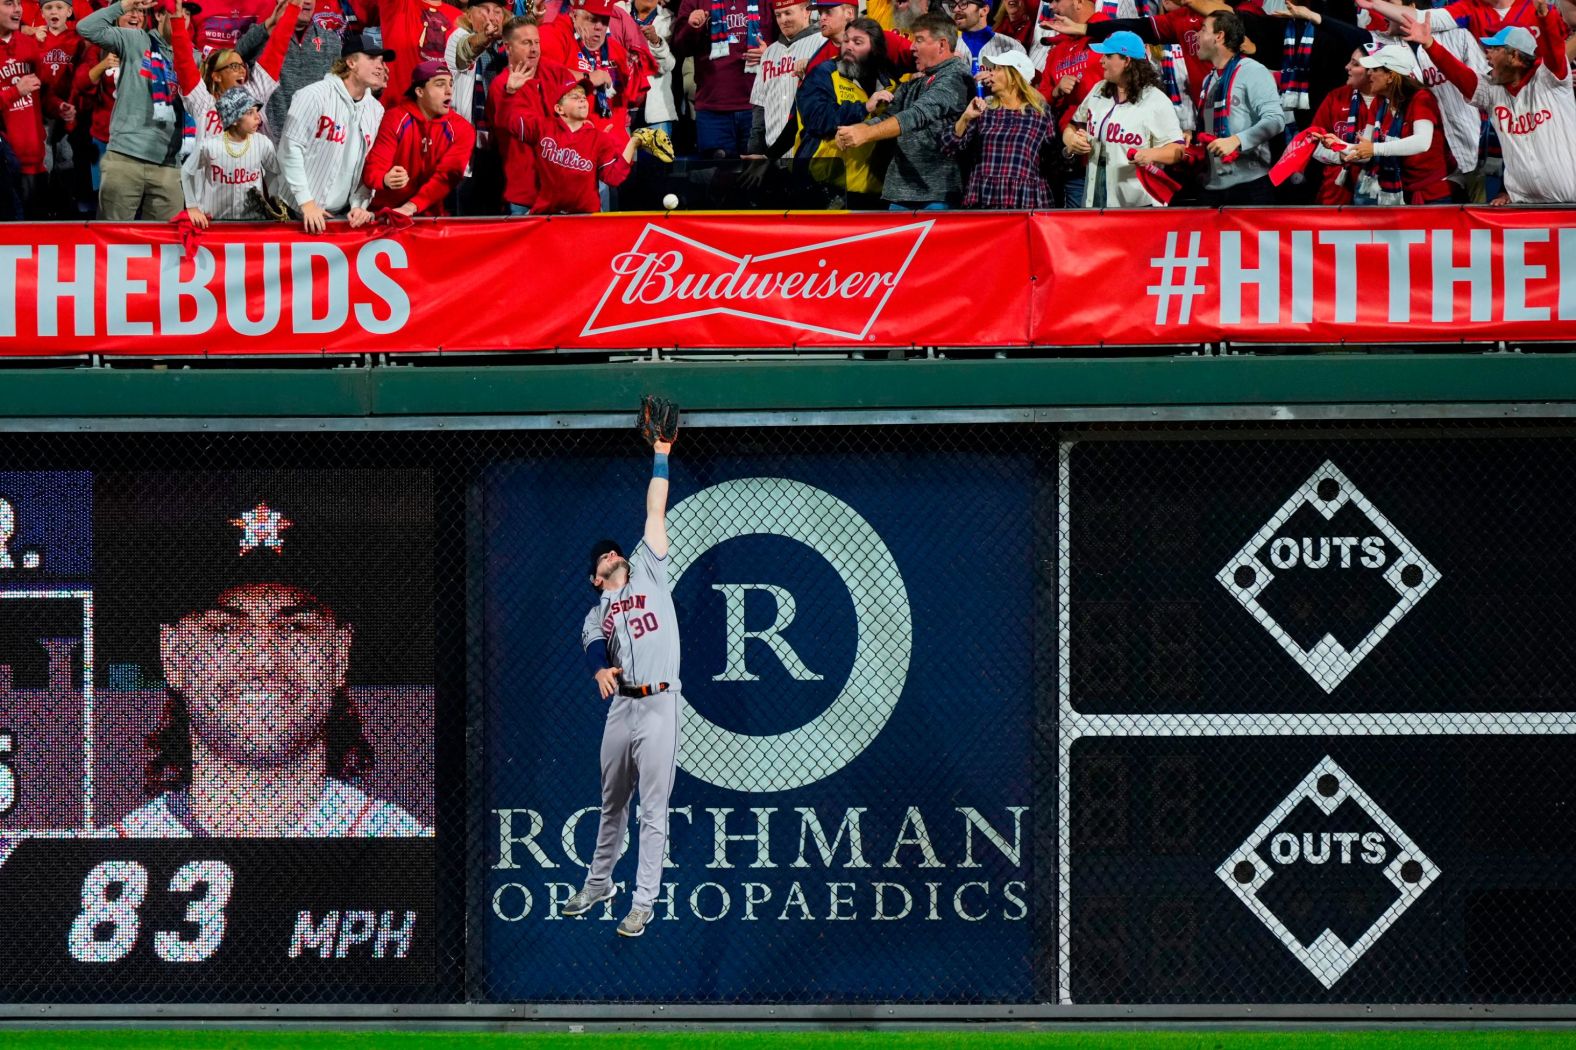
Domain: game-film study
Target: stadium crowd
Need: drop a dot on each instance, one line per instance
(310, 110)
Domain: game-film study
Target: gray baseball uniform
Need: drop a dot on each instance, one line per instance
(640, 739)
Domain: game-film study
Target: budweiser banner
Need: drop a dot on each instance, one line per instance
(764, 281)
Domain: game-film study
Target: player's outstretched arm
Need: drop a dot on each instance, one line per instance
(657, 500)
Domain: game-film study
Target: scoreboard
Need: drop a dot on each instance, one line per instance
(1314, 719)
(973, 716)
(216, 711)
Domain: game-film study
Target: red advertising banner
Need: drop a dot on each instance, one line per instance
(769, 281)
(1318, 275)
(618, 281)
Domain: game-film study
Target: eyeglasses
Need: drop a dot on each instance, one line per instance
(229, 66)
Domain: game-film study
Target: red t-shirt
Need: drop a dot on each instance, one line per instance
(223, 22)
(1484, 21)
(569, 163)
(1180, 26)
(1069, 56)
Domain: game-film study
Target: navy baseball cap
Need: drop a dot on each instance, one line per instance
(353, 43)
(600, 548)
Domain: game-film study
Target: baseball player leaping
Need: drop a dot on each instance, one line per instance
(631, 640)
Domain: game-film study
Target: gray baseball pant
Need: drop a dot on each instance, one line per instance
(640, 747)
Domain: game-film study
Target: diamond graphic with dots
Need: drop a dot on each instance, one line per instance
(1328, 576)
(1328, 872)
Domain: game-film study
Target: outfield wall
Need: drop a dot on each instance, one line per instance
(1216, 688)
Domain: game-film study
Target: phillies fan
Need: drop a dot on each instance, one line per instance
(834, 18)
(1239, 109)
(1400, 155)
(223, 172)
(312, 50)
(920, 176)
(724, 38)
(1344, 114)
(977, 40)
(421, 148)
(845, 92)
(224, 69)
(777, 79)
(475, 56)
(1010, 132)
(416, 31)
(1123, 124)
(572, 153)
(521, 90)
(328, 133)
(24, 101)
(1175, 30)
(615, 79)
(1071, 71)
(1528, 96)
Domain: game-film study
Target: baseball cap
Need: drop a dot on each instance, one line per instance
(424, 72)
(778, 5)
(233, 105)
(820, 4)
(601, 547)
(1014, 60)
(357, 44)
(596, 8)
(1517, 38)
(1126, 44)
(1395, 57)
(568, 80)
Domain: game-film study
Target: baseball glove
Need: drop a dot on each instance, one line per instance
(658, 420)
(656, 142)
(267, 208)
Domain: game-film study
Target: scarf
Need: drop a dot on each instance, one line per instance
(599, 60)
(1169, 53)
(1217, 96)
(484, 77)
(159, 71)
(1381, 177)
(721, 39)
(1295, 61)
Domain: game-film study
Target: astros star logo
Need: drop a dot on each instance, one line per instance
(262, 527)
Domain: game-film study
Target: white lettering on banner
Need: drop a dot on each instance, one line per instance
(753, 898)
(826, 287)
(1333, 276)
(158, 290)
(173, 288)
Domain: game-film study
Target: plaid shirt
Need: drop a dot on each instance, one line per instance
(1007, 174)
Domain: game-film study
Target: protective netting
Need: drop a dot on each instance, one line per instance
(970, 714)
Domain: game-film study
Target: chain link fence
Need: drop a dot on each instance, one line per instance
(973, 715)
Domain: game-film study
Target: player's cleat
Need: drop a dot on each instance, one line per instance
(634, 923)
(585, 900)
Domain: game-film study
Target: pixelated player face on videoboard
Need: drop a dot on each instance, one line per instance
(219, 658)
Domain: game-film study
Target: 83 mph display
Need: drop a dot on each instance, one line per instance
(216, 704)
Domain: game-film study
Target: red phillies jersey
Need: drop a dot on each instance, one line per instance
(569, 163)
(412, 29)
(1335, 116)
(518, 158)
(630, 82)
(24, 114)
(223, 22)
(1069, 56)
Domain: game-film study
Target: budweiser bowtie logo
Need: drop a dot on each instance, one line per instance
(837, 287)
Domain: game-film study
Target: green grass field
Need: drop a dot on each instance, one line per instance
(119, 1039)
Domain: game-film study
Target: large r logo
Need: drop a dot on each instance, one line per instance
(833, 529)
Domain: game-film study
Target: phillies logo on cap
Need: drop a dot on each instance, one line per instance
(835, 287)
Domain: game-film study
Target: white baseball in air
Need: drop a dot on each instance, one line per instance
(671, 201)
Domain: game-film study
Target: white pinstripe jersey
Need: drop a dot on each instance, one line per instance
(215, 182)
(776, 83)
